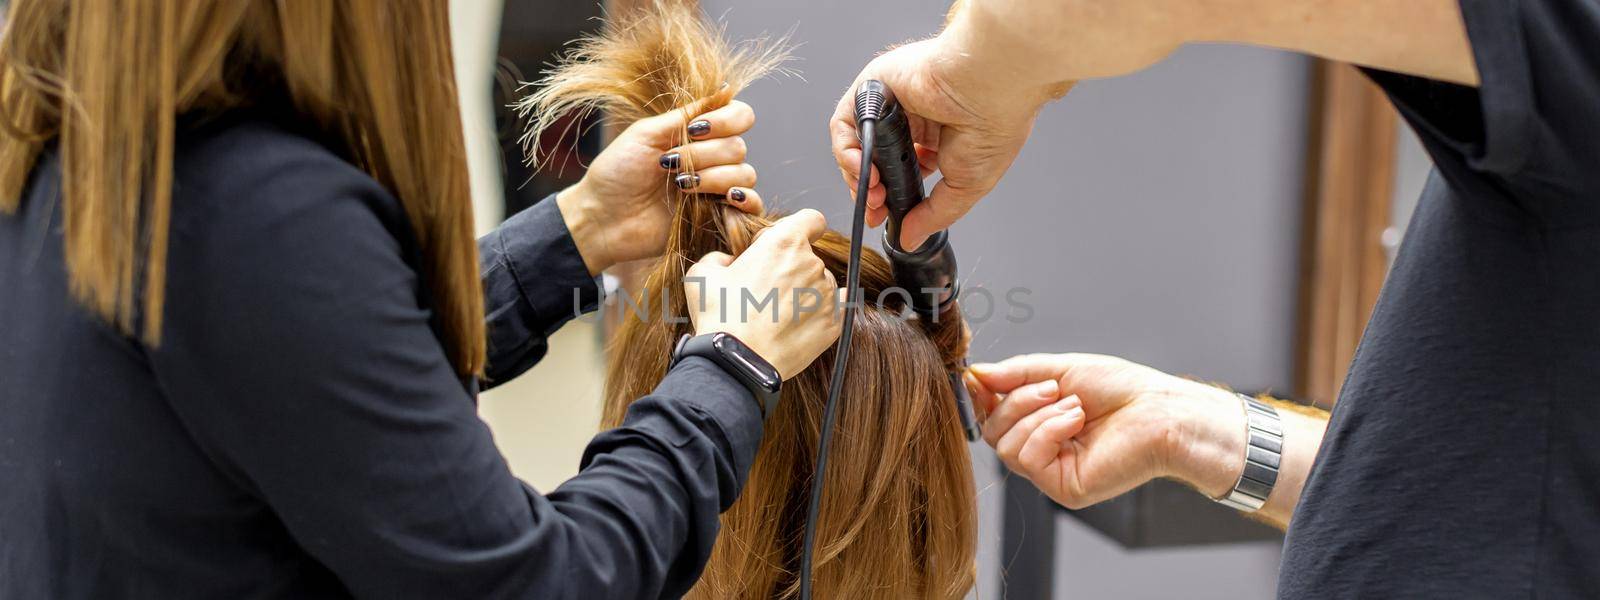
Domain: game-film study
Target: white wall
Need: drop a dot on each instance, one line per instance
(542, 420)
(474, 37)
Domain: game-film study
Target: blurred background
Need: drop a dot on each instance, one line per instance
(1228, 214)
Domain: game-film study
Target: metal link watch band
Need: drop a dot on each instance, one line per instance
(1262, 454)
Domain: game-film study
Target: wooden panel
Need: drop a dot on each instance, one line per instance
(1350, 180)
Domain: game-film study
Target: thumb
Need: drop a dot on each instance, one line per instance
(983, 399)
(1017, 371)
(947, 204)
(713, 259)
(805, 225)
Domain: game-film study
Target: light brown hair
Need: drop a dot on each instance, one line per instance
(109, 78)
(898, 519)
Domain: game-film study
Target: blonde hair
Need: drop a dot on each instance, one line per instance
(108, 79)
(898, 517)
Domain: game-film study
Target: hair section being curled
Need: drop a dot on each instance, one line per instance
(899, 516)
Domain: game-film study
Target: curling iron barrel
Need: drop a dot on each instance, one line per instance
(927, 273)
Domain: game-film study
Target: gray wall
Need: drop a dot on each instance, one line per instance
(1153, 217)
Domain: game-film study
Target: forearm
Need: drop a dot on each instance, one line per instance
(643, 510)
(1040, 42)
(1210, 452)
(1303, 428)
(534, 280)
(1417, 37)
(1115, 37)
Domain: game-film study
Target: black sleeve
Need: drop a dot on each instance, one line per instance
(1531, 130)
(297, 355)
(534, 281)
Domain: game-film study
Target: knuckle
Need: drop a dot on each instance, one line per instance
(1033, 463)
(1073, 501)
(1008, 452)
(783, 238)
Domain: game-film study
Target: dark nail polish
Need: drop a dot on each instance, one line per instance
(670, 160)
(687, 180)
(736, 194)
(699, 128)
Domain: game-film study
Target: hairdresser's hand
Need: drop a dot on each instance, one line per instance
(967, 123)
(617, 212)
(1085, 428)
(794, 328)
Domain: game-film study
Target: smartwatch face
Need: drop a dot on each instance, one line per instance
(736, 351)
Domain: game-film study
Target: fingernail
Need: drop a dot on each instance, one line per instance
(1074, 412)
(736, 195)
(971, 382)
(699, 128)
(981, 368)
(670, 160)
(687, 180)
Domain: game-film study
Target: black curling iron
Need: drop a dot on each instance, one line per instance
(927, 273)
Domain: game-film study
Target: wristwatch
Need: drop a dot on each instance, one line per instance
(757, 375)
(1263, 453)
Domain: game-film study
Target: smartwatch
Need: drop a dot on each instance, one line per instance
(757, 375)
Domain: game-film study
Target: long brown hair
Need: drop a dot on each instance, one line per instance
(898, 517)
(109, 78)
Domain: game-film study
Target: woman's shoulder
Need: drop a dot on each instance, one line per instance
(257, 199)
(252, 162)
(240, 172)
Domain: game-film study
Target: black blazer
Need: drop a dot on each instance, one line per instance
(299, 432)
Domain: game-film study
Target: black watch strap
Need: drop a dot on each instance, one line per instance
(757, 375)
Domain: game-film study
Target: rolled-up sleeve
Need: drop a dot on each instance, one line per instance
(1526, 134)
(534, 281)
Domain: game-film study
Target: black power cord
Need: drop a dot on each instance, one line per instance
(869, 106)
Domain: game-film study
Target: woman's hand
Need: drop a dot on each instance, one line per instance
(1085, 428)
(616, 213)
(789, 331)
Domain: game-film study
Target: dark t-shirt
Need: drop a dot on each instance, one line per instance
(1463, 457)
(299, 433)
